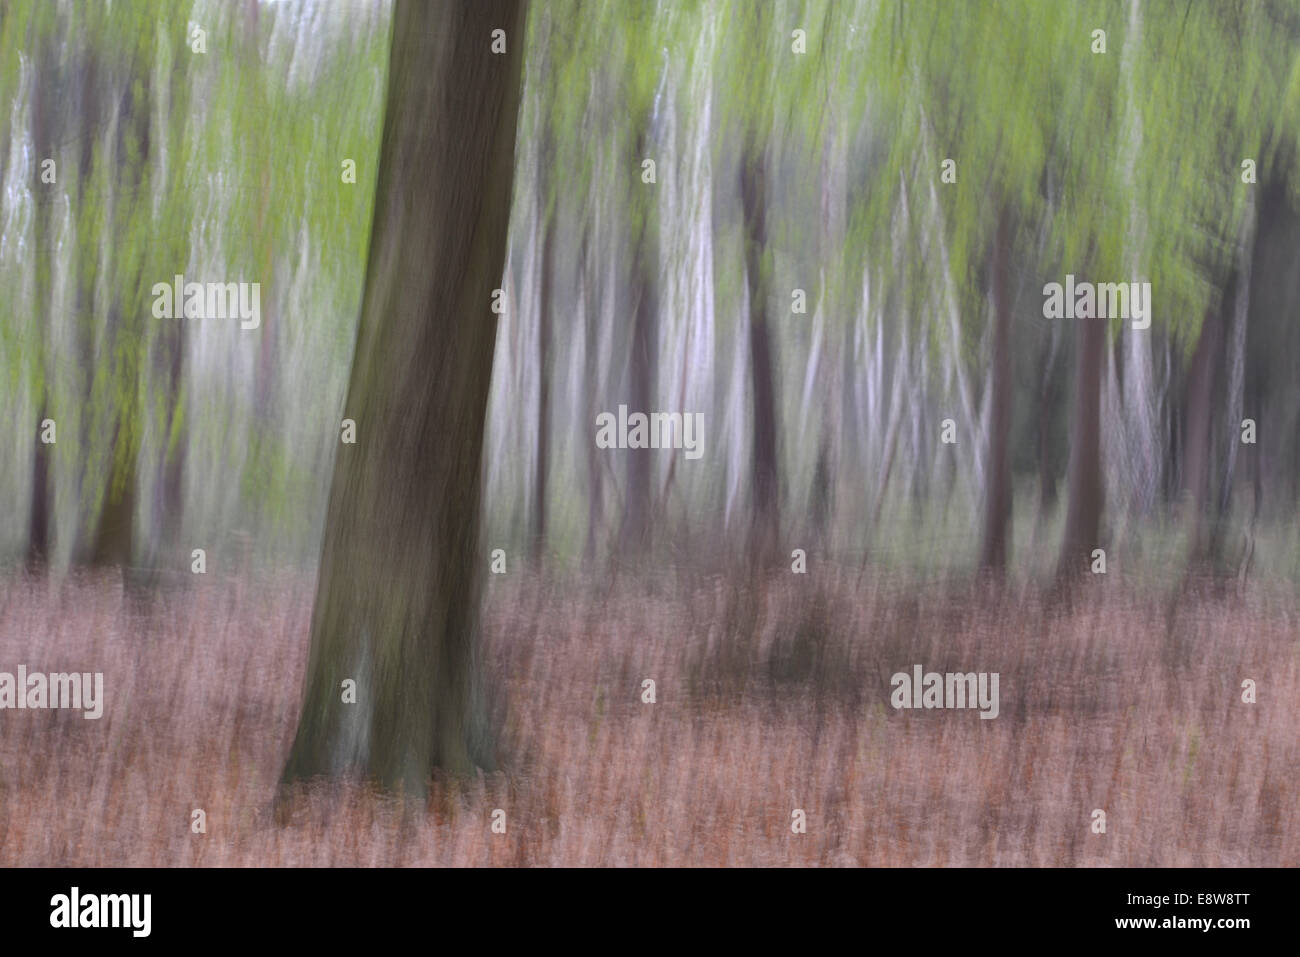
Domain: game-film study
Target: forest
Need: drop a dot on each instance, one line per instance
(559, 432)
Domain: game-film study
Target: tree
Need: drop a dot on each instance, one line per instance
(1083, 511)
(547, 215)
(397, 601)
(753, 197)
(643, 361)
(38, 525)
(997, 507)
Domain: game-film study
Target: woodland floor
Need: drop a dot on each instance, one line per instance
(768, 699)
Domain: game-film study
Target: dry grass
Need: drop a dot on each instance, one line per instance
(769, 699)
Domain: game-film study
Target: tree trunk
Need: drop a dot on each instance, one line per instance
(547, 210)
(1083, 512)
(753, 193)
(1235, 355)
(43, 92)
(831, 241)
(997, 502)
(638, 516)
(38, 527)
(543, 372)
(591, 310)
(397, 598)
(173, 477)
(1047, 392)
(114, 541)
(1196, 442)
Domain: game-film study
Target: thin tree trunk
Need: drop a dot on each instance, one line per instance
(174, 451)
(997, 502)
(1083, 513)
(895, 426)
(1196, 443)
(593, 310)
(638, 516)
(544, 321)
(397, 599)
(753, 193)
(543, 78)
(591, 375)
(38, 529)
(1236, 356)
(1047, 391)
(834, 159)
(1136, 419)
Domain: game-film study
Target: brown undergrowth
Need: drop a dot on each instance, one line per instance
(768, 699)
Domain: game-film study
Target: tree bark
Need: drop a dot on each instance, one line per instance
(173, 466)
(644, 371)
(1196, 443)
(43, 92)
(1235, 355)
(397, 598)
(38, 526)
(114, 541)
(544, 322)
(1047, 393)
(997, 502)
(547, 207)
(1083, 512)
(753, 193)
(591, 310)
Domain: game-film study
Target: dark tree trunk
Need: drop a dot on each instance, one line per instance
(114, 540)
(1083, 513)
(997, 504)
(1047, 393)
(638, 517)
(397, 599)
(591, 370)
(831, 241)
(44, 97)
(544, 322)
(38, 528)
(753, 194)
(547, 208)
(822, 504)
(1196, 442)
(174, 451)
